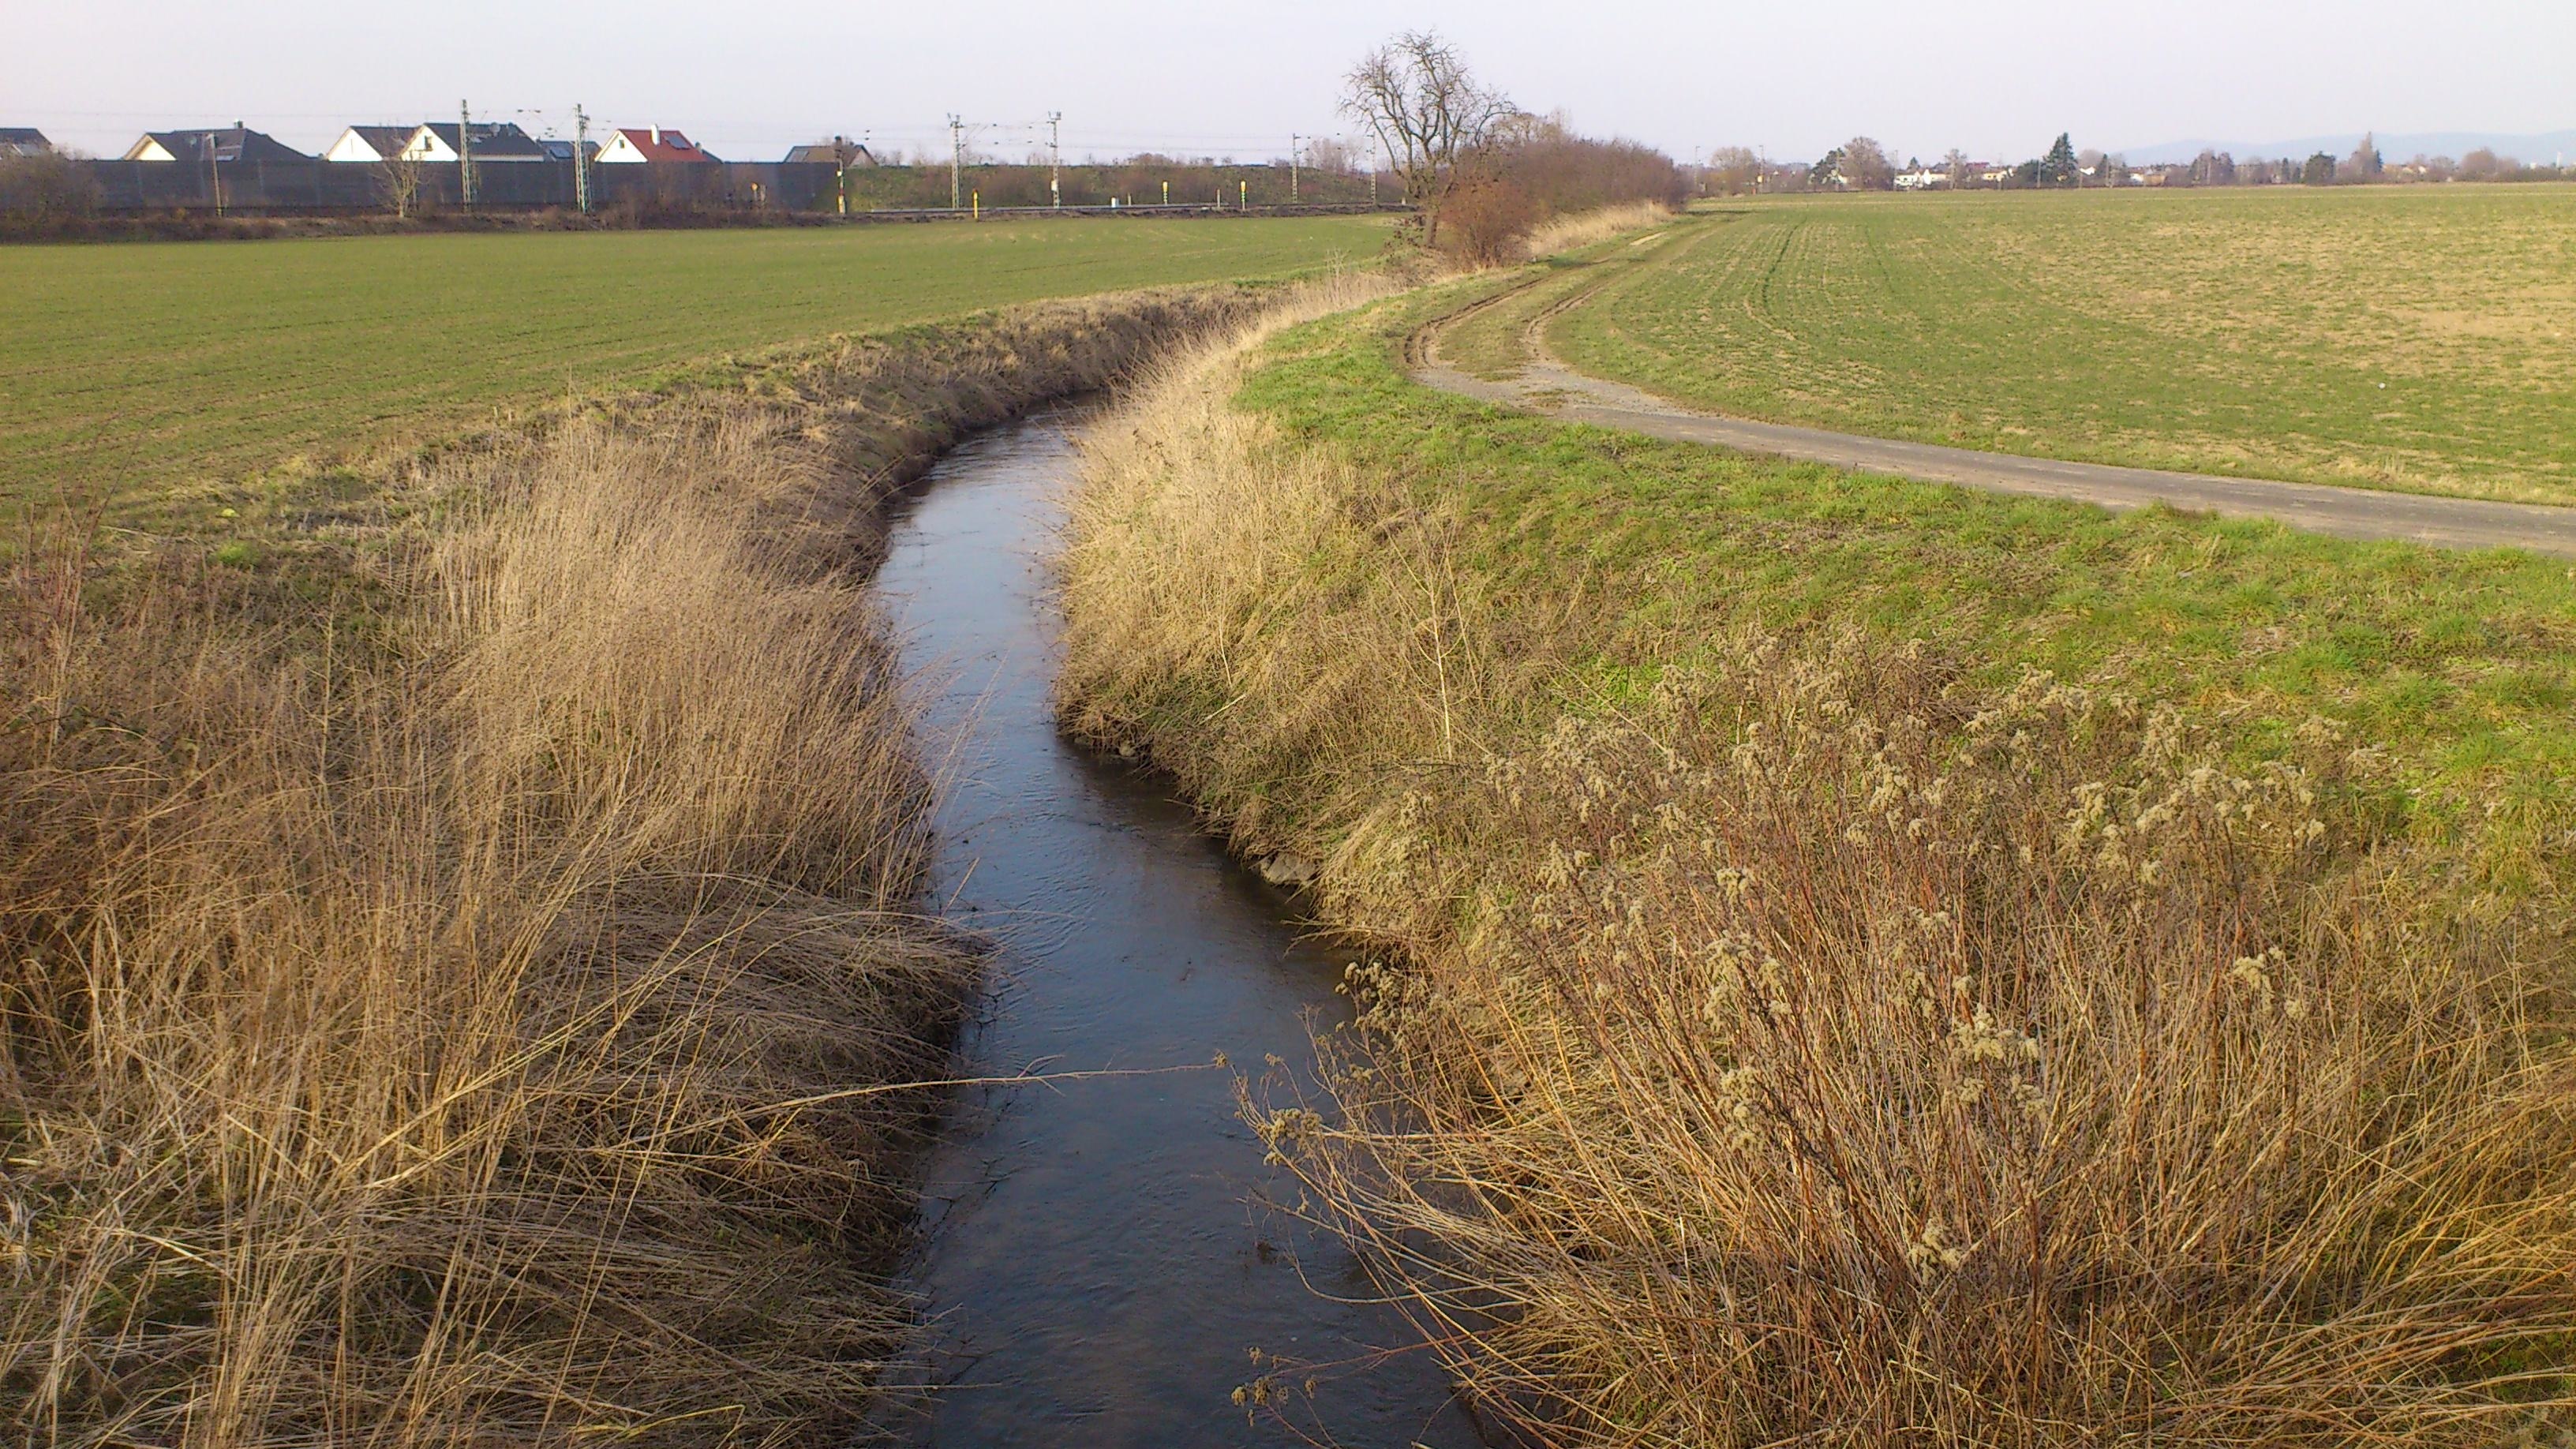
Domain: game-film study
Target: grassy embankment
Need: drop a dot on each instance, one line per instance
(166, 383)
(2415, 339)
(457, 988)
(1875, 961)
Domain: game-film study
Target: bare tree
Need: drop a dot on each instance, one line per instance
(1334, 155)
(1865, 166)
(1956, 164)
(398, 179)
(1734, 170)
(1428, 113)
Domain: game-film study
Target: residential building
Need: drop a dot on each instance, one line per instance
(840, 151)
(494, 141)
(225, 146)
(635, 145)
(366, 145)
(563, 150)
(24, 141)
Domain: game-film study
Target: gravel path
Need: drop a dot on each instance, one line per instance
(1548, 386)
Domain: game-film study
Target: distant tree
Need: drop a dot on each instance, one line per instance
(1956, 164)
(2364, 164)
(2115, 169)
(2028, 173)
(2320, 170)
(1866, 166)
(1333, 154)
(2058, 167)
(1828, 170)
(1429, 114)
(2213, 168)
(2481, 165)
(1734, 170)
(47, 189)
(398, 183)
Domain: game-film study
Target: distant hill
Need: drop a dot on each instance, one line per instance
(2536, 150)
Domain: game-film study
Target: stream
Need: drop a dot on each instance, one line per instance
(1094, 1257)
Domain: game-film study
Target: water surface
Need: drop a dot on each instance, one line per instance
(1095, 1255)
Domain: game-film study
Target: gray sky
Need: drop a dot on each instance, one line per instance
(1997, 77)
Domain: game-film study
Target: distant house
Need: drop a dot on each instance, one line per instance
(1922, 178)
(24, 141)
(366, 145)
(840, 151)
(224, 146)
(493, 141)
(634, 145)
(563, 150)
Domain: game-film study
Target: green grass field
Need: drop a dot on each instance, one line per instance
(2462, 665)
(129, 370)
(2420, 339)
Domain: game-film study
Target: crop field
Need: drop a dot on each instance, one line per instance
(2417, 339)
(129, 371)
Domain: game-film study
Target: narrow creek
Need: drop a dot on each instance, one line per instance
(1094, 1257)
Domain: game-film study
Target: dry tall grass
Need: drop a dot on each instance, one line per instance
(1582, 229)
(1823, 1050)
(477, 1020)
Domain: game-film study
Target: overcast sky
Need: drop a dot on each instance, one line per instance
(1996, 77)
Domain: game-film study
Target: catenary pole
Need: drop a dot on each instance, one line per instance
(1055, 159)
(581, 159)
(465, 154)
(956, 161)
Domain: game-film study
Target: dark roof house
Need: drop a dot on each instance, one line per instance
(370, 143)
(24, 141)
(493, 141)
(563, 150)
(224, 146)
(839, 151)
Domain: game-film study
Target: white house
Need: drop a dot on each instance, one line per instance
(1922, 178)
(635, 145)
(494, 141)
(367, 145)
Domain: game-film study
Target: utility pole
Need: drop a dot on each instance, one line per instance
(1055, 159)
(956, 161)
(581, 159)
(1294, 140)
(465, 154)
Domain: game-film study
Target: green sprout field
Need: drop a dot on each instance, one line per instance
(2420, 339)
(131, 370)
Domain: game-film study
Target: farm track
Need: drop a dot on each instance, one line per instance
(1547, 386)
